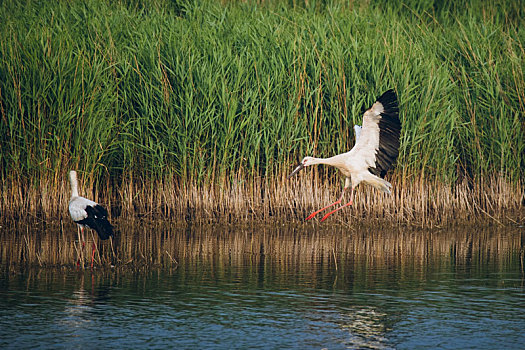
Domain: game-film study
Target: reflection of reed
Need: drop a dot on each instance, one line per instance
(320, 247)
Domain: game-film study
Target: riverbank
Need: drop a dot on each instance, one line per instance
(209, 99)
(422, 204)
(196, 112)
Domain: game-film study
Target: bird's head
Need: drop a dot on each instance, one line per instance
(307, 161)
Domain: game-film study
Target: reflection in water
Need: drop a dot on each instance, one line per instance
(163, 244)
(269, 287)
(75, 310)
(82, 301)
(366, 328)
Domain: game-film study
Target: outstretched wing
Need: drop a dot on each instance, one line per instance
(378, 143)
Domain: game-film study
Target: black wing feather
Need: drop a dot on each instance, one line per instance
(97, 220)
(389, 133)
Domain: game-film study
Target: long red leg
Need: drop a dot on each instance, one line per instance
(341, 207)
(92, 254)
(328, 206)
(81, 250)
(78, 249)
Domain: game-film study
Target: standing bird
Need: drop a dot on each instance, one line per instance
(86, 213)
(375, 150)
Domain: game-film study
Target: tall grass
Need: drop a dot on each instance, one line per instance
(221, 95)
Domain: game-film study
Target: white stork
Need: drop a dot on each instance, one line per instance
(375, 150)
(86, 213)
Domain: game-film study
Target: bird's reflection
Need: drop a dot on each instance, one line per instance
(90, 291)
(366, 328)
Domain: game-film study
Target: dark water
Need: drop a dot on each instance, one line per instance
(283, 288)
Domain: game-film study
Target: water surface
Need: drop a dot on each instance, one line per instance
(274, 288)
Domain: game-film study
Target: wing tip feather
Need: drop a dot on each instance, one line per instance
(389, 101)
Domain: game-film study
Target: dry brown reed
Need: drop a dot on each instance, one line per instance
(418, 203)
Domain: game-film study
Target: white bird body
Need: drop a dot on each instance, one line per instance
(77, 207)
(375, 150)
(87, 213)
(354, 168)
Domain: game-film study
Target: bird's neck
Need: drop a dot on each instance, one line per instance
(74, 191)
(336, 161)
(74, 188)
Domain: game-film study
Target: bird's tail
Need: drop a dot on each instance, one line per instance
(104, 229)
(379, 183)
(99, 221)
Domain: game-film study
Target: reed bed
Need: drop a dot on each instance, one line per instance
(422, 204)
(148, 244)
(197, 111)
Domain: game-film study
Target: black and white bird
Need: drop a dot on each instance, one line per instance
(375, 150)
(87, 213)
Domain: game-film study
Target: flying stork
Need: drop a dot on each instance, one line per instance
(86, 213)
(375, 150)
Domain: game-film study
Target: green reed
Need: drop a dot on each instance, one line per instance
(204, 93)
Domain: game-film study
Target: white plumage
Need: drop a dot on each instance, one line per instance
(87, 213)
(357, 130)
(77, 208)
(375, 150)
